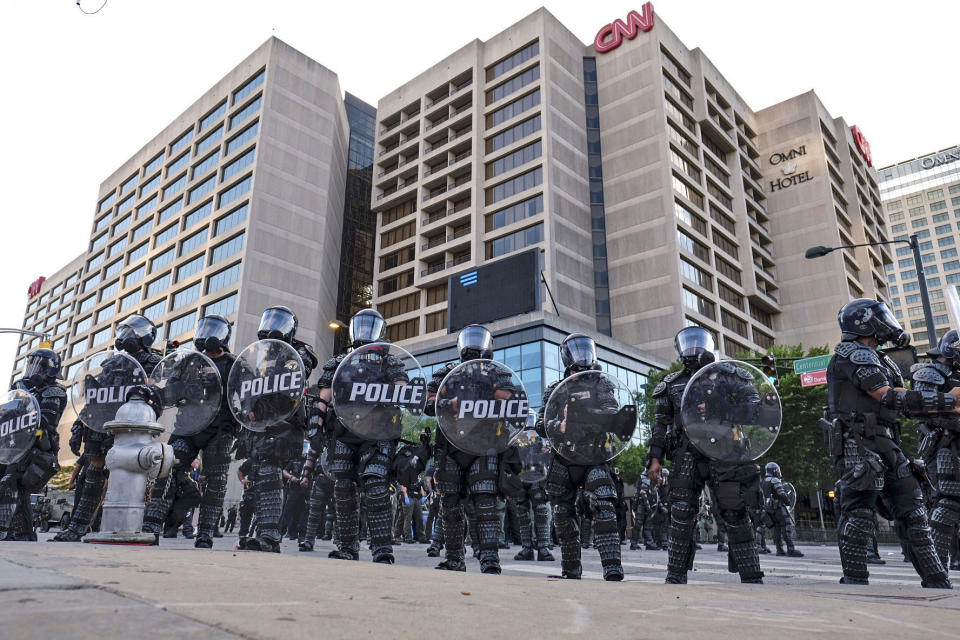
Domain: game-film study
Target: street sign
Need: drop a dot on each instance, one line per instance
(816, 363)
(813, 378)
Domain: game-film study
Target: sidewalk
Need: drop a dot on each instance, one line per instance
(80, 591)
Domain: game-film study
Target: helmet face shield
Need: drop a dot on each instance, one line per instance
(887, 326)
(578, 352)
(474, 342)
(692, 341)
(213, 333)
(367, 326)
(135, 333)
(42, 364)
(277, 323)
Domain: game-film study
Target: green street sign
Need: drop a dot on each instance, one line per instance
(816, 363)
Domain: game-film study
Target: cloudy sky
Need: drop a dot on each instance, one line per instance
(84, 92)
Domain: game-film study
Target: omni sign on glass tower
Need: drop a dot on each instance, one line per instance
(611, 36)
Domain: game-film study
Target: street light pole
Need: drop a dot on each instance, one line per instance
(914, 242)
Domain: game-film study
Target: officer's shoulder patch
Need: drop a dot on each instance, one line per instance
(864, 356)
(660, 389)
(928, 374)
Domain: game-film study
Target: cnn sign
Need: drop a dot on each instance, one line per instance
(611, 36)
(862, 145)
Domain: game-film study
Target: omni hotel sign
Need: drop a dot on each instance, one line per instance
(940, 158)
(786, 161)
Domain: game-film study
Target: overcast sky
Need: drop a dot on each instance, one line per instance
(84, 92)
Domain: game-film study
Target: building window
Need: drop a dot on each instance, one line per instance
(515, 241)
(123, 206)
(95, 261)
(405, 304)
(155, 310)
(514, 84)
(91, 283)
(162, 260)
(158, 286)
(175, 187)
(399, 211)
(239, 164)
(515, 185)
(514, 134)
(936, 194)
(83, 325)
(105, 314)
(205, 144)
(684, 165)
(106, 202)
(130, 300)
(698, 303)
(689, 243)
(399, 234)
(895, 205)
(687, 191)
(166, 235)
(186, 296)
(86, 305)
(938, 206)
(179, 326)
(436, 321)
(697, 275)
(243, 138)
(514, 213)
(248, 88)
(148, 186)
(138, 252)
(245, 113)
(214, 115)
(201, 189)
(223, 278)
(197, 215)
(99, 242)
(182, 141)
(227, 249)
(403, 330)
(223, 307)
(733, 323)
(437, 294)
(517, 158)
(118, 246)
(206, 164)
(100, 337)
(942, 229)
(527, 53)
(113, 268)
(234, 192)
(190, 268)
(143, 229)
(76, 349)
(171, 211)
(232, 219)
(515, 108)
(899, 228)
(178, 164)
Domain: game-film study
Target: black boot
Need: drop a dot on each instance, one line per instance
(526, 553)
(544, 555)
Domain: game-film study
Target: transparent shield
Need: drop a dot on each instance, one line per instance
(791, 495)
(378, 391)
(265, 384)
(191, 389)
(19, 422)
(481, 406)
(535, 455)
(590, 417)
(101, 384)
(730, 412)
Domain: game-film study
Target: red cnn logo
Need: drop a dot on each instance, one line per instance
(862, 145)
(35, 287)
(611, 36)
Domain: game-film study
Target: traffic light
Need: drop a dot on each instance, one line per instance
(769, 363)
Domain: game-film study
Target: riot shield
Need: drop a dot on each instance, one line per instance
(19, 422)
(100, 386)
(265, 384)
(730, 412)
(590, 417)
(378, 391)
(481, 406)
(534, 452)
(791, 495)
(191, 388)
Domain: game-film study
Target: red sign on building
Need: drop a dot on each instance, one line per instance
(813, 378)
(611, 36)
(35, 287)
(862, 145)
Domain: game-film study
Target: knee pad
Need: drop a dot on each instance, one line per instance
(558, 479)
(599, 483)
(342, 461)
(682, 512)
(483, 474)
(856, 526)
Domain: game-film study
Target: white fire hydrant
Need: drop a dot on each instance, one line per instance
(136, 456)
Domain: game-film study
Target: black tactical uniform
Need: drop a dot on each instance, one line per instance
(461, 475)
(358, 463)
(733, 485)
(215, 442)
(940, 444)
(645, 505)
(776, 506)
(30, 473)
(320, 514)
(565, 479)
(863, 438)
(134, 336)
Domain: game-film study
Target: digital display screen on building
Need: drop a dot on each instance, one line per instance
(500, 289)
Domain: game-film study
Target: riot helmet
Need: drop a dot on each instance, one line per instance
(578, 352)
(864, 317)
(695, 346)
(773, 470)
(475, 342)
(42, 365)
(277, 323)
(367, 326)
(135, 333)
(948, 348)
(213, 334)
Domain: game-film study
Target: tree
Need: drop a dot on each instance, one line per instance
(631, 462)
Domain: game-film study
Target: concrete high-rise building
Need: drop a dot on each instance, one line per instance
(235, 206)
(657, 197)
(922, 196)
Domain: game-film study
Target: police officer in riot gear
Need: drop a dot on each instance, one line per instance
(940, 444)
(776, 505)
(272, 449)
(578, 353)
(134, 336)
(321, 501)
(645, 505)
(461, 475)
(215, 441)
(866, 395)
(30, 473)
(357, 462)
(733, 485)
